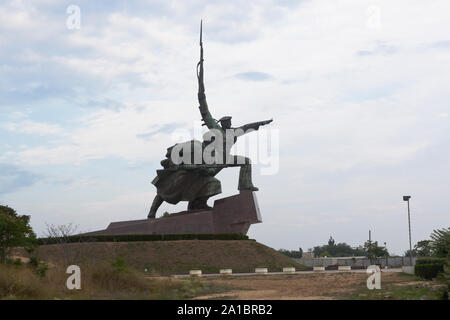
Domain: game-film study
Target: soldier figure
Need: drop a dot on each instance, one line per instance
(195, 182)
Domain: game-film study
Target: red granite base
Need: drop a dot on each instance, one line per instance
(233, 214)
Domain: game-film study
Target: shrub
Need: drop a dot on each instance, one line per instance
(440, 242)
(15, 231)
(39, 267)
(19, 283)
(41, 270)
(17, 262)
(119, 265)
(292, 253)
(144, 237)
(431, 261)
(34, 262)
(428, 271)
(444, 278)
(116, 278)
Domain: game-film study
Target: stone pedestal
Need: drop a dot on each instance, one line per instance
(233, 214)
(408, 269)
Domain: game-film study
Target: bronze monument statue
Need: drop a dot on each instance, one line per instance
(193, 180)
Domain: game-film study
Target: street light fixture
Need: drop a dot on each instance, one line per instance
(406, 198)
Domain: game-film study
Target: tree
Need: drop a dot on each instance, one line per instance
(422, 248)
(15, 231)
(408, 253)
(61, 234)
(372, 250)
(292, 253)
(336, 250)
(325, 254)
(331, 241)
(440, 242)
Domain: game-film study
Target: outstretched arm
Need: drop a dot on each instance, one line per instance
(246, 128)
(204, 111)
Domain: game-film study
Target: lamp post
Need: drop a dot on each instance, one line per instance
(387, 255)
(406, 198)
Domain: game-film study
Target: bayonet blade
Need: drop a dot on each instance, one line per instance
(201, 32)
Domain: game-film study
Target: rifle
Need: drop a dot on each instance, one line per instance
(200, 166)
(201, 86)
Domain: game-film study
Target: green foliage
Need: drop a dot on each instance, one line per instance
(431, 261)
(325, 254)
(292, 253)
(336, 250)
(17, 262)
(444, 277)
(428, 271)
(440, 242)
(119, 265)
(42, 269)
(39, 267)
(34, 262)
(166, 214)
(15, 231)
(331, 241)
(20, 283)
(372, 250)
(145, 237)
(422, 248)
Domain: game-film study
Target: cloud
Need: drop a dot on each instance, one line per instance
(13, 178)
(168, 128)
(442, 44)
(351, 103)
(380, 48)
(254, 76)
(32, 127)
(106, 133)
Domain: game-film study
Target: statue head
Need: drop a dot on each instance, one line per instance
(225, 122)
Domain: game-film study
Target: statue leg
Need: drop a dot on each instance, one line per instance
(199, 203)
(245, 174)
(155, 205)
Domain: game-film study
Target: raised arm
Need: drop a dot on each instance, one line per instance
(246, 128)
(204, 111)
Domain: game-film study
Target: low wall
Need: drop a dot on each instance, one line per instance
(391, 262)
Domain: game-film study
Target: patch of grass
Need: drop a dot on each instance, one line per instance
(401, 287)
(102, 280)
(171, 257)
(406, 293)
(20, 283)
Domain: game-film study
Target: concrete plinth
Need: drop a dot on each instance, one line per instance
(344, 268)
(261, 270)
(196, 273)
(408, 269)
(318, 269)
(226, 271)
(233, 214)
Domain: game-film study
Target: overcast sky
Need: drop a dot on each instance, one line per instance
(358, 90)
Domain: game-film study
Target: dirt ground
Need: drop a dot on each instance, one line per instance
(302, 286)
